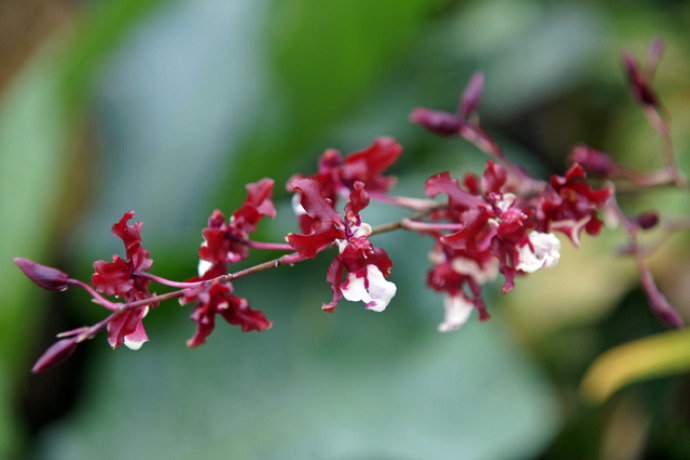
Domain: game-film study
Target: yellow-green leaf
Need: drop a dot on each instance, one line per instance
(656, 356)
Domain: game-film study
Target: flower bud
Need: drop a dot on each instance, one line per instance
(472, 95)
(443, 123)
(640, 88)
(56, 354)
(47, 277)
(648, 220)
(593, 161)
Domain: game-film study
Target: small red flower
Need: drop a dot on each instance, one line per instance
(337, 175)
(118, 278)
(218, 299)
(460, 274)
(496, 235)
(226, 241)
(367, 267)
(321, 224)
(568, 204)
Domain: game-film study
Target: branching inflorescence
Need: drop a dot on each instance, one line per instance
(502, 222)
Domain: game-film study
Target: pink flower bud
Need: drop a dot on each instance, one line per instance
(639, 85)
(472, 95)
(443, 123)
(56, 354)
(47, 277)
(593, 161)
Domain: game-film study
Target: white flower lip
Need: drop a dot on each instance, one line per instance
(297, 205)
(377, 296)
(546, 253)
(458, 311)
(203, 267)
(362, 230)
(136, 339)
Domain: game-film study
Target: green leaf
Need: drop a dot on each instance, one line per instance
(325, 59)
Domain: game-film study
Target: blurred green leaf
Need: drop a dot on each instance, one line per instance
(325, 60)
(40, 120)
(656, 356)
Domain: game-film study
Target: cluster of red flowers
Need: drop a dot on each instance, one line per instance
(502, 222)
(225, 243)
(500, 231)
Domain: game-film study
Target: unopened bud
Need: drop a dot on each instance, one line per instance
(472, 95)
(443, 123)
(593, 161)
(56, 354)
(640, 88)
(648, 220)
(47, 277)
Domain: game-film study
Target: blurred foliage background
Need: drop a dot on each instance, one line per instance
(169, 107)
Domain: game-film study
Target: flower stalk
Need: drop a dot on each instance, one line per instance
(502, 222)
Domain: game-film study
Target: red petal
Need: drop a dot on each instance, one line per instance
(239, 314)
(217, 245)
(359, 199)
(312, 201)
(458, 198)
(335, 277)
(494, 178)
(112, 278)
(131, 237)
(372, 161)
(124, 325)
(324, 233)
